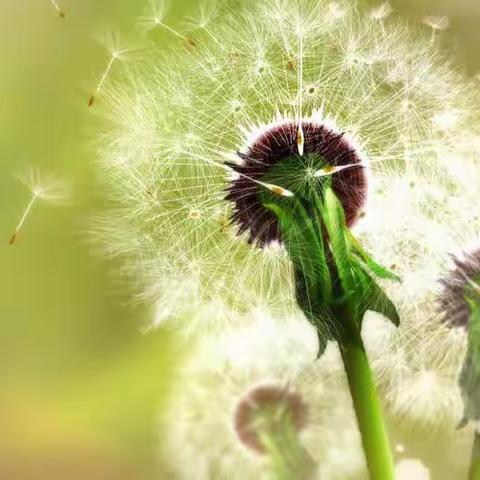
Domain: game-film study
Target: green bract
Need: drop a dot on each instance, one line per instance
(334, 281)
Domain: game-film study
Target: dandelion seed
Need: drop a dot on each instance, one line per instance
(438, 23)
(155, 17)
(381, 12)
(118, 53)
(42, 187)
(56, 6)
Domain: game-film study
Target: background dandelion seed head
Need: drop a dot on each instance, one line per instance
(263, 410)
(207, 421)
(464, 276)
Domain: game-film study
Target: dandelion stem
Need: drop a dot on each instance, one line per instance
(367, 409)
(474, 473)
(23, 219)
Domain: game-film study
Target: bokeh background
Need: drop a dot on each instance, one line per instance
(81, 382)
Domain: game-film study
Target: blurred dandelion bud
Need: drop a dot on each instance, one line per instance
(250, 404)
(42, 187)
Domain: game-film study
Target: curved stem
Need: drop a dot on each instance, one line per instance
(475, 461)
(368, 410)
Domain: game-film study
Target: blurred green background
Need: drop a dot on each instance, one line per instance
(81, 385)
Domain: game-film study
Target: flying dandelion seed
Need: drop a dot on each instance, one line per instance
(381, 12)
(59, 11)
(155, 18)
(249, 405)
(118, 53)
(437, 23)
(45, 188)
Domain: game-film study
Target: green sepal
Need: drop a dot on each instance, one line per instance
(375, 299)
(334, 221)
(334, 276)
(376, 268)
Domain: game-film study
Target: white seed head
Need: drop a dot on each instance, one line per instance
(175, 122)
(222, 374)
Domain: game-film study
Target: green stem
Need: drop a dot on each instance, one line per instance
(368, 410)
(475, 461)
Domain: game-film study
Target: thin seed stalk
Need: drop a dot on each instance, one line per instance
(474, 473)
(368, 410)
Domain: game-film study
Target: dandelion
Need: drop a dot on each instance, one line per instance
(249, 405)
(59, 11)
(47, 188)
(118, 53)
(323, 104)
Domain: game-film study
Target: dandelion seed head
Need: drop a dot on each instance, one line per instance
(233, 384)
(463, 277)
(264, 410)
(175, 126)
(275, 150)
